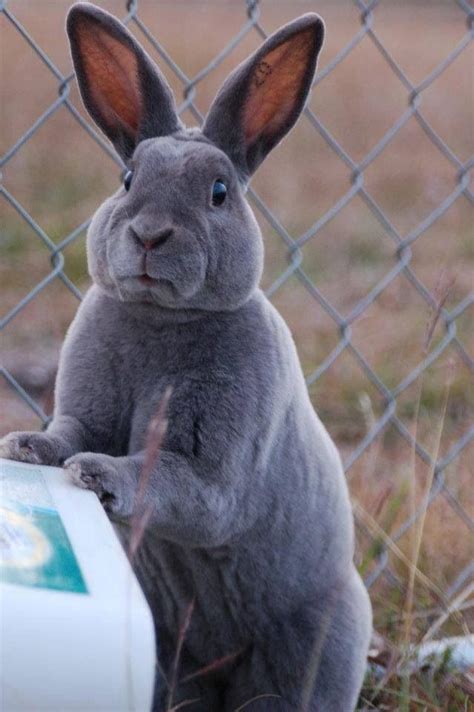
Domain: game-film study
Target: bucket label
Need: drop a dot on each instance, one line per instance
(35, 549)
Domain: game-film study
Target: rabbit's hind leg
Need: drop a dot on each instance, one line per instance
(296, 670)
(343, 659)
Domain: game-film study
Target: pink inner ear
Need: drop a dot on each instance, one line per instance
(111, 69)
(275, 87)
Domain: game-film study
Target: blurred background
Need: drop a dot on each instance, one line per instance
(367, 217)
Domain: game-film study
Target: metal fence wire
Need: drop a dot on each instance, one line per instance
(253, 21)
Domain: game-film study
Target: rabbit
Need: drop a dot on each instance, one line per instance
(249, 518)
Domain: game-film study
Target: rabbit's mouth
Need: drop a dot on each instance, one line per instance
(146, 280)
(170, 279)
(157, 289)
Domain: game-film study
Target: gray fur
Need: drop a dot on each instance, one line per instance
(250, 510)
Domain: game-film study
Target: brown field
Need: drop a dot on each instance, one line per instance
(60, 176)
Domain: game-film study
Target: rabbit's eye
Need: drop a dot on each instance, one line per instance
(219, 192)
(127, 180)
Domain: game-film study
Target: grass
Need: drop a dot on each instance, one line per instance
(60, 177)
(438, 687)
(428, 691)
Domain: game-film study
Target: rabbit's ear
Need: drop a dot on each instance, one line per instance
(262, 99)
(123, 90)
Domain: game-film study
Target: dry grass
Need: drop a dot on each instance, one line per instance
(60, 177)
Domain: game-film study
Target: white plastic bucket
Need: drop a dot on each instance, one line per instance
(75, 630)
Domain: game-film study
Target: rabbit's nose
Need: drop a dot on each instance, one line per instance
(151, 241)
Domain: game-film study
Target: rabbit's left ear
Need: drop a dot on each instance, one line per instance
(123, 90)
(262, 99)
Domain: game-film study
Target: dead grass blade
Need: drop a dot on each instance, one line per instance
(215, 665)
(141, 516)
(184, 703)
(382, 500)
(370, 421)
(454, 606)
(154, 440)
(420, 524)
(376, 530)
(138, 530)
(408, 607)
(254, 699)
(313, 666)
(441, 293)
(179, 646)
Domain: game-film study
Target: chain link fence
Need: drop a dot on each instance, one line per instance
(401, 245)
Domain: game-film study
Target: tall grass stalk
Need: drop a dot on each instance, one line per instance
(139, 520)
(154, 440)
(179, 646)
(313, 666)
(419, 525)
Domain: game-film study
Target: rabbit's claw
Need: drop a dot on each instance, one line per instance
(34, 448)
(98, 473)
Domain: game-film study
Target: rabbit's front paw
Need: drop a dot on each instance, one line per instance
(35, 448)
(102, 474)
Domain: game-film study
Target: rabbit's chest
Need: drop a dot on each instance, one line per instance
(182, 383)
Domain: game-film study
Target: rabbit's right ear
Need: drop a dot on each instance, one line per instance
(262, 99)
(123, 90)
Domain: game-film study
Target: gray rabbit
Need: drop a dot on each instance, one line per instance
(250, 514)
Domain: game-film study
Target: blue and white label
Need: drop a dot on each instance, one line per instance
(35, 549)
